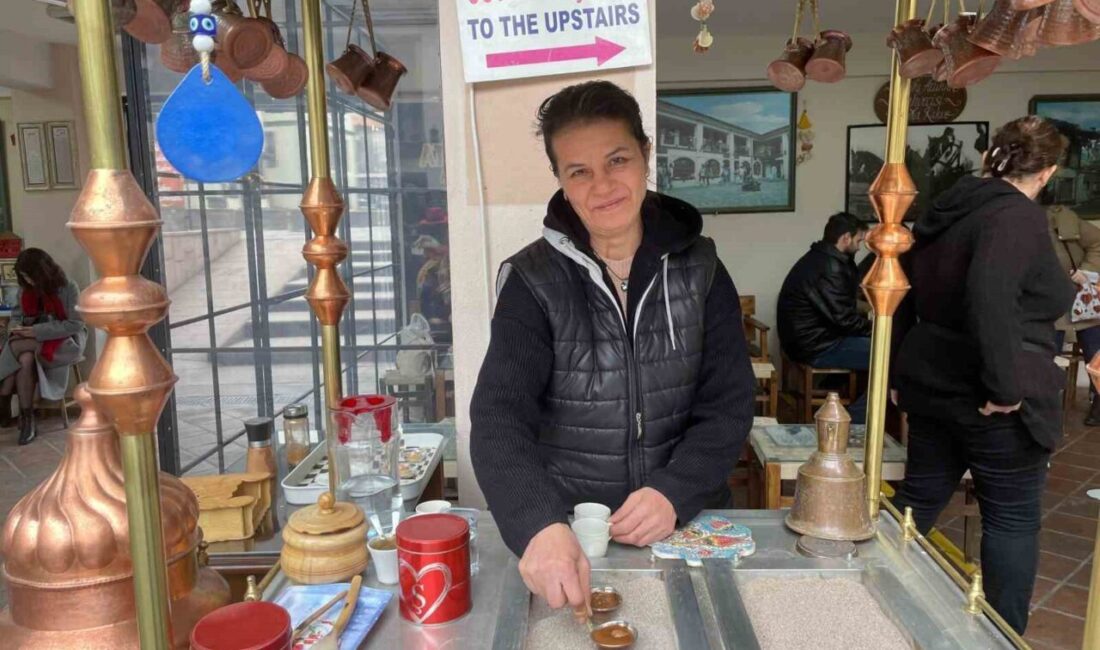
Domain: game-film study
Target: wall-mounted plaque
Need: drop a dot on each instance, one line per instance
(930, 102)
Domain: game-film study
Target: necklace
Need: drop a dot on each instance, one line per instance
(621, 279)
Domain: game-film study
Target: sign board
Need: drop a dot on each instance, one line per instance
(930, 102)
(512, 39)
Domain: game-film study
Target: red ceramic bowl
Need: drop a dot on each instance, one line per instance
(243, 626)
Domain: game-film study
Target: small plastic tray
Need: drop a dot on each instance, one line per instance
(305, 483)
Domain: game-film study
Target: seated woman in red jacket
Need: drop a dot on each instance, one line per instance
(46, 336)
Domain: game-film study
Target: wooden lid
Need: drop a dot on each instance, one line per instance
(326, 517)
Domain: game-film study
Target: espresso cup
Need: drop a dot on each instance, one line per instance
(593, 536)
(383, 553)
(433, 507)
(591, 511)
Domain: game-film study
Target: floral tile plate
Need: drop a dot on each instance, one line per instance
(706, 536)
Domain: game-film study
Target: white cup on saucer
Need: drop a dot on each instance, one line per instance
(433, 507)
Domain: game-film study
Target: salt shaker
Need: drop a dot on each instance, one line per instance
(295, 434)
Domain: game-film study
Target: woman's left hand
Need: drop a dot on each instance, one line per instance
(1079, 278)
(646, 517)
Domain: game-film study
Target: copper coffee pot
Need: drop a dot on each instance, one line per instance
(967, 64)
(1089, 9)
(351, 69)
(788, 72)
(67, 549)
(291, 82)
(1001, 30)
(150, 23)
(916, 53)
(827, 64)
(246, 41)
(277, 61)
(1062, 25)
(828, 497)
(226, 65)
(378, 88)
(177, 53)
(1029, 36)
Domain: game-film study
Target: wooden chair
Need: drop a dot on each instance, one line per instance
(801, 383)
(767, 388)
(1070, 359)
(756, 332)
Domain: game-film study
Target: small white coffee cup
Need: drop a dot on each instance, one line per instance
(591, 511)
(433, 507)
(593, 535)
(384, 559)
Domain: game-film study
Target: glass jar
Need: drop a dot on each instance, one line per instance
(367, 457)
(295, 434)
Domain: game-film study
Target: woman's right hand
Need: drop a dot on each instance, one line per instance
(555, 568)
(990, 408)
(1079, 278)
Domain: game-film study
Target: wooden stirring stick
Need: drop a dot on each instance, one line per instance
(304, 625)
(332, 640)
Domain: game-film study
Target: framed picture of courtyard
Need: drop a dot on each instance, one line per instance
(727, 151)
(937, 155)
(1077, 183)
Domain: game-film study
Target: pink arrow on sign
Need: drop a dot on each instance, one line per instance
(602, 50)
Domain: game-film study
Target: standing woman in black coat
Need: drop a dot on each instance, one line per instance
(976, 372)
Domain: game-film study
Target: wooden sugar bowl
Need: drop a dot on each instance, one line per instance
(325, 543)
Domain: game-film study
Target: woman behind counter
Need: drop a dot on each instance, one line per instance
(617, 371)
(46, 336)
(976, 373)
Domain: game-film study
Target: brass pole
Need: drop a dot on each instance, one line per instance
(1092, 614)
(323, 207)
(891, 194)
(115, 223)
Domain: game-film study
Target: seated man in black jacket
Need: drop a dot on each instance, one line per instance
(817, 318)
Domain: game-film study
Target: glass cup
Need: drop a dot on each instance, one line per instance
(470, 515)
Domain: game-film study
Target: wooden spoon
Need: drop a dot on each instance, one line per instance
(332, 640)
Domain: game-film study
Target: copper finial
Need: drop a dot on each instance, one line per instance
(67, 551)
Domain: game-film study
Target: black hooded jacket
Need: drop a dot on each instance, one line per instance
(578, 401)
(817, 303)
(979, 326)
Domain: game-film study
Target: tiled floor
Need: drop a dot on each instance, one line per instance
(1069, 522)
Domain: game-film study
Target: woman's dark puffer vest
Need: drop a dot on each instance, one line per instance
(623, 385)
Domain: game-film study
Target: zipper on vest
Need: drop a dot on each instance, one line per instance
(638, 419)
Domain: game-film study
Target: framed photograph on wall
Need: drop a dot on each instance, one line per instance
(1077, 183)
(33, 158)
(937, 155)
(7, 273)
(61, 153)
(727, 150)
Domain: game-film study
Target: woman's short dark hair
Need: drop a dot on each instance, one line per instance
(584, 103)
(1024, 146)
(37, 264)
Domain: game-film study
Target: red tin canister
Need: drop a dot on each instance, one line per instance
(243, 626)
(433, 558)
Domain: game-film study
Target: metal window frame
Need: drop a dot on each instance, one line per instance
(251, 190)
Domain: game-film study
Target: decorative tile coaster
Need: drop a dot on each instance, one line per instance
(707, 536)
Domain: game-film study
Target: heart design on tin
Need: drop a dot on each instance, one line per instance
(417, 604)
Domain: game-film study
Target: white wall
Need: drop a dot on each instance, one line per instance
(758, 249)
(518, 183)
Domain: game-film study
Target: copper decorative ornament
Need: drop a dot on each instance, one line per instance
(323, 207)
(967, 64)
(1062, 25)
(1002, 30)
(828, 497)
(917, 56)
(67, 551)
(827, 65)
(378, 88)
(788, 72)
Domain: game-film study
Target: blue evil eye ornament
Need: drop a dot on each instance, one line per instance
(207, 130)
